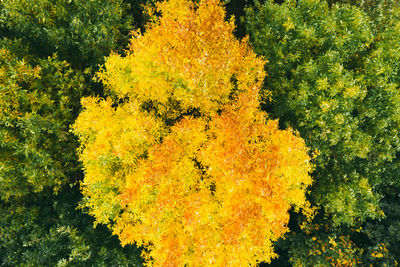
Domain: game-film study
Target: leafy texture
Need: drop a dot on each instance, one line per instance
(182, 160)
(39, 225)
(46, 230)
(36, 104)
(335, 78)
(80, 31)
(48, 49)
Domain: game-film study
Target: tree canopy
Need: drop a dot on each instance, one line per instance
(183, 161)
(48, 51)
(176, 131)
(335, 78)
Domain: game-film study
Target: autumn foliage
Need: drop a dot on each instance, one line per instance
(180, 159)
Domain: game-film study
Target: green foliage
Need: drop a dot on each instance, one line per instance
(46, 230)
(380, 239)
(334, 75)
(335, 79)
(375, 6)
(325, 250)
(80, 31)
(372, 243)
(48, 50)
(39, 99)
(37, 105)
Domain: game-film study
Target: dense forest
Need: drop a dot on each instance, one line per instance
(199, 133)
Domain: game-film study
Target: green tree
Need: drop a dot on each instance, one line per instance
(48, 51)
(37, 105)
(81, 32)
(45, 229)
(334, 75)
(39, 225)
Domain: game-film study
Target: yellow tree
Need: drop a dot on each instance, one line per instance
(182, 161)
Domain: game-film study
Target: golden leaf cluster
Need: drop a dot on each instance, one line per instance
(186, 164)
